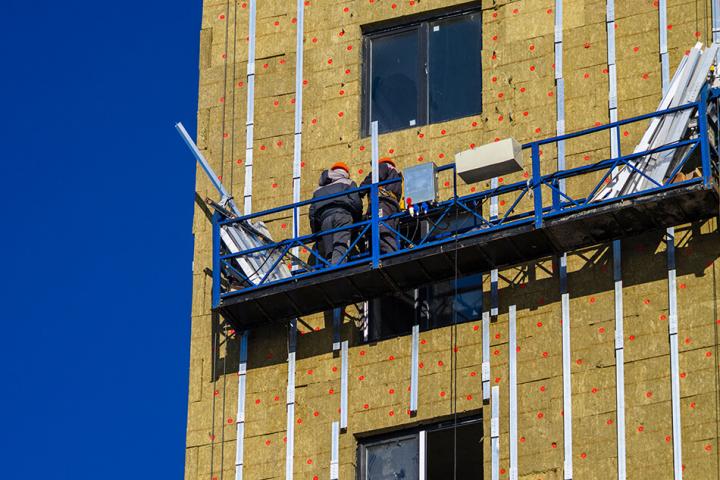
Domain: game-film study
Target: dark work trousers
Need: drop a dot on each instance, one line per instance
(388, 238)
(334, 246)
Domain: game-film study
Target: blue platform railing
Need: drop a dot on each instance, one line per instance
(526, 202)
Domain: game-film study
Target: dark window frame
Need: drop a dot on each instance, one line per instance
(420, 22)
(426, 306)
(369, 440)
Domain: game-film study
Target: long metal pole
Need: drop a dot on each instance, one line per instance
(205, 165)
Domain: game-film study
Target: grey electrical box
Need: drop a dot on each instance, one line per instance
(420, 184)
(488, 161)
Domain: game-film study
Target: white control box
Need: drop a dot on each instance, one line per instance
(488, 161)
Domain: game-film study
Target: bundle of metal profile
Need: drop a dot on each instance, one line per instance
(262, 265)
(652, 170)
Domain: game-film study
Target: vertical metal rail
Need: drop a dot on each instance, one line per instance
(619, 361)
(617, 259)
(335, 452)
(512, 355)
(344, 385)
(290, 401)
(612, 77)
(494, 213)
(297, 159)
(486, 355)
(672, 283)
(240, 415)
(495, 433)
(337, 327)
(247, 209)
(414, 368)
(374, 201)
(565, 297)
(664, 56)
(422, 455)
(297, 148)
(674, 355)
(716, 21)
(566, 370)
(250, 120)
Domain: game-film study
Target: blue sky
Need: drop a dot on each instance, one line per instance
(97, 202)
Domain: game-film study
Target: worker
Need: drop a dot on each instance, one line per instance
(336, 212)
(388, 201)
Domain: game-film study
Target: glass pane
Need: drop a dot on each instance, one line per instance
(455, 68)
(393, 460)
(458, 449)
(394, 81)
(467, 305)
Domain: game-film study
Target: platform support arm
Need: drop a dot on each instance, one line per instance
(537, 184)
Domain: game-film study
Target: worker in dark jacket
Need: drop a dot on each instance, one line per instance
(337, 212)
(388, 201)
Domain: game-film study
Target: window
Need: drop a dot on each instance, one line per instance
(428, 71)
(437, 305)
(442, 451)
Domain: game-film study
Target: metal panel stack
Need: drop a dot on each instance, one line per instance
(685, 87)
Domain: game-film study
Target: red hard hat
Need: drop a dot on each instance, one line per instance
(342, 165)
(387, 160)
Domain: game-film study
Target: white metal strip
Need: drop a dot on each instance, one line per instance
(612, 78)
(336, 327)
(486, 355)
(344, 385)
(512, 354)
(375, 150)
(617, 259)
(335, 452)
(240, 416)
(566, 368)
(493, 199)
(674, 355)
(422, 455)
(414, 372)
(716, 21)
(619, 361)
(494, 294)
(297, 151)
(495, 432)
(664, 58)
(250, 109)
(290, 402)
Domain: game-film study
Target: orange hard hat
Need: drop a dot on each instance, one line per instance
(342, 165)
(387, 160)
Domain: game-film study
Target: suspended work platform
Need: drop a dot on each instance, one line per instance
(541, 215)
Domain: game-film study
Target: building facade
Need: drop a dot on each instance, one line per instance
(546, 68)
